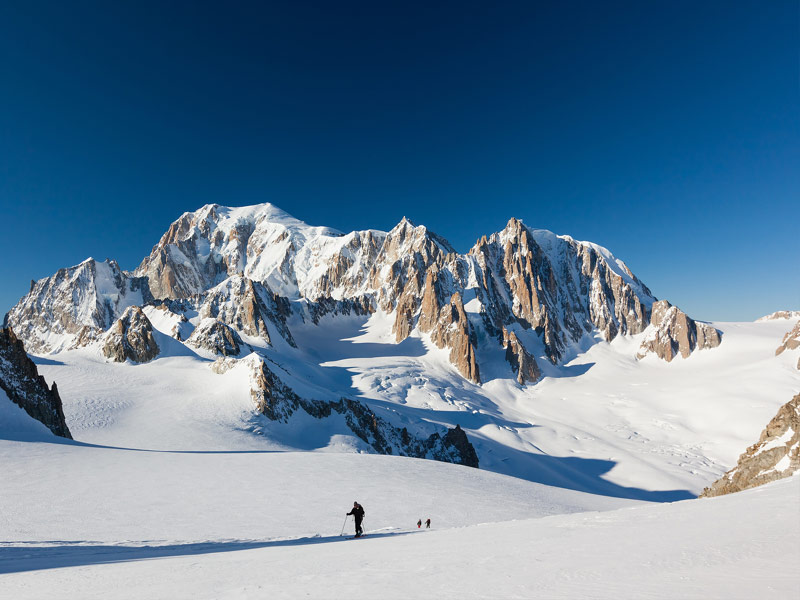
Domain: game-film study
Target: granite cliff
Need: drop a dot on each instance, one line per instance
(774, 456)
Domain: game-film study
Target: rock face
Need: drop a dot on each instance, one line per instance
(561, 288)
(131, 338)
(781, 314)
(672, 332)
(248, 307)
(23, 385)
(359, 306)
(791, 341)
(520, 360)
(453, 331)
(217, 337)
(75, 306)
(278, 402)
(775, 456)
(447, 322)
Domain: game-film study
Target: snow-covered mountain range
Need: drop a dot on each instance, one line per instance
(518, 356)
(541, 296)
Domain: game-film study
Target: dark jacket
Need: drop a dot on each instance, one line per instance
(357, 512)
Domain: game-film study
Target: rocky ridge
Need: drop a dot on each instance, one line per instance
(520, 360)
(216, 337)
(791, 341)
(780, 314)
(673, 332)
(130, 338)
(775, 456)
(276, 401)
(20, 380)
(248, 307)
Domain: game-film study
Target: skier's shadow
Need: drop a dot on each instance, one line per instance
(33, 556)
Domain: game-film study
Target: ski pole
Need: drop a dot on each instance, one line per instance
(343, 524)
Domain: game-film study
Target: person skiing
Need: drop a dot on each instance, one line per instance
(358, 516)
(419, 523)
(428, 524)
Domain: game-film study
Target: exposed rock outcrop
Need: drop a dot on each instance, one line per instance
(248, 307)
(131, 338)
(447, 322)
(520, 359)
(359, 306)
(791, 341)
(400, 269)
(23, 385)
(454, 331)
(775, 456)
(278, 402)
(672, 332)
(224, 364)
(457, 440)
(217, 337)
(780, 314)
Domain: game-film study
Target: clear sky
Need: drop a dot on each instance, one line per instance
(668, 132)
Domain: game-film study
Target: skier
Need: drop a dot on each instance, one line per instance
(419, 523)
(358, 515)
(428, 524)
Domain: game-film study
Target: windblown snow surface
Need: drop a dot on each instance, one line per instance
(174, 488)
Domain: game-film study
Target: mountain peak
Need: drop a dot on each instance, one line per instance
(514, 223)
(407, 235)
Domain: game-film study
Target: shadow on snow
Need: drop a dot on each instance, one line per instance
(34, 556)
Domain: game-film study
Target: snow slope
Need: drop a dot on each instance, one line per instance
(100, 522)
(604, 423)
(16, 424)
(98, 494)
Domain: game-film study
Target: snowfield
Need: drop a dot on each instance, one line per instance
(603, 423)
(93, 522)
(175, 488)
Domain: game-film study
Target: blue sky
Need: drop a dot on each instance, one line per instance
(668, 132)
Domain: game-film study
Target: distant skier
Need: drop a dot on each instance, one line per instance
(419, 523)
(428, 524)
(358, 515)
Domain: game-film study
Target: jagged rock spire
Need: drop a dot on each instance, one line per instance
(23, 385)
